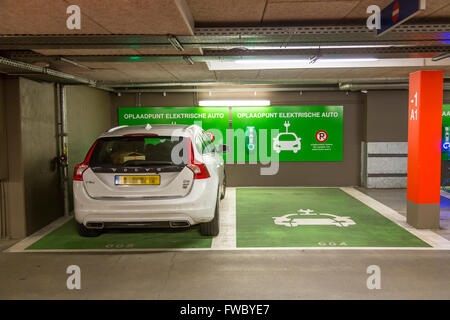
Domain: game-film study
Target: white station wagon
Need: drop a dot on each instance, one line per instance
(153, 176)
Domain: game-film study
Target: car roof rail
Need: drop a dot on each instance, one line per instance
(116, 128)
(193, 127)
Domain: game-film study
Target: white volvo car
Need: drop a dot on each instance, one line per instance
(153, 176)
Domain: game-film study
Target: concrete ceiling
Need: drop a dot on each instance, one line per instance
(178, 72)
(257, 12)
(179, 17)
(97, 17)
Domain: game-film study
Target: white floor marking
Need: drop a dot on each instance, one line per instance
(227, 235)
(430, 237)
(236, 249)
(25, 243)
(445, 194)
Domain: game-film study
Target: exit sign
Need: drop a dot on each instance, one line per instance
(398, 12)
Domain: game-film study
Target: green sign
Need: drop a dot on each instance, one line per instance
(214, 119)
(292, 133)
(445, 148)
(259, 134)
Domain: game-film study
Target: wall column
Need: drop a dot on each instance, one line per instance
(424, 148)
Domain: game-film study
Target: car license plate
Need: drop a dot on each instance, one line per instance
(138, 180)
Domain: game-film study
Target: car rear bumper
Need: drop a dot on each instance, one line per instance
(197, 207)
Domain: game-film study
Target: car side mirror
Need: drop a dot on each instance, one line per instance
(223, 148)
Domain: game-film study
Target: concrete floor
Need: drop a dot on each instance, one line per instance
(270, 274)
(396, 199)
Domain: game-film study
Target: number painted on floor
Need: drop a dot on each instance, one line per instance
(119, 246)
(333, 244)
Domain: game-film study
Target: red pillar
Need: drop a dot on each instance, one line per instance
(424, 148)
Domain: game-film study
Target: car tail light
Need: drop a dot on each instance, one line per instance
(79, 170)
(82, 167)
(199, 169)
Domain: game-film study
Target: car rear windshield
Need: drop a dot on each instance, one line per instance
(139, 151)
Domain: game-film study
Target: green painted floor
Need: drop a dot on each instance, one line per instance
(67, 238)
(256, 207)
(330, 218)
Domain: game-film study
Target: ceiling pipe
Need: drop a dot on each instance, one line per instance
(248, 83)
(175, 43)
(380, 86)
(217, 84)
(74, 63)
(229, 90)
(37, 70)
(441, 56)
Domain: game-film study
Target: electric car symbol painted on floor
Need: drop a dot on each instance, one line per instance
(309, 218)
(287, 141)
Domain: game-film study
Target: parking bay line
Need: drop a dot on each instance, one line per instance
(227, 235)
(28, 241)
(162, 250)
(428, 236)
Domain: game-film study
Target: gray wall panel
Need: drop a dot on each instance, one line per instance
(43, 199)
(3, 151)
(14, 185)
(387, 116)
(88, 115)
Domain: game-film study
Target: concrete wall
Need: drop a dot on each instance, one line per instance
(3, 162)
(386, 116)
(39, 147)
(3, 154)
(14, 185)
(88, 115)
(384, 150)
(345, 173)
(33, 194)
(33, 198)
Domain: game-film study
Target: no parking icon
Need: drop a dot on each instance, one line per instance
(395, 12)
(321, 136)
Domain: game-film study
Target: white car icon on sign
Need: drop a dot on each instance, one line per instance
(287, 141)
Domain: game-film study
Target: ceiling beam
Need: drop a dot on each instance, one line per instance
(227, 55)
(222, 38)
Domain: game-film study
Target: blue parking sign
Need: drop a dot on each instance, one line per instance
(398, 12)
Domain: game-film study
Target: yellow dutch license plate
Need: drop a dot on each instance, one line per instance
(138, 180)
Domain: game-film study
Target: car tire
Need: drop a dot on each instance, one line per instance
(211, 228)
(224, 186)
(85, 232)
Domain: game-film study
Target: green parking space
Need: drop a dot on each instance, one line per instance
(66, 238)
(313, 217)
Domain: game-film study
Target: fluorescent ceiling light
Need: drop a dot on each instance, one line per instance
(357, 46)
(322, 63)
(295, 61)
(232, 103)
